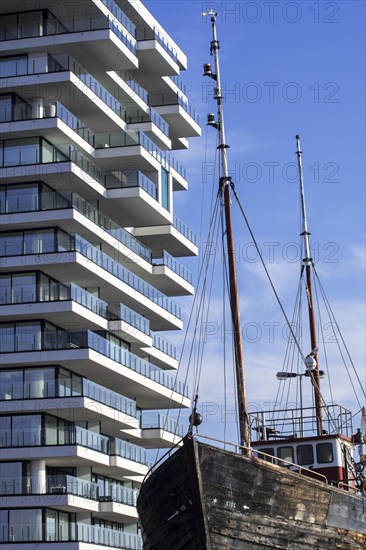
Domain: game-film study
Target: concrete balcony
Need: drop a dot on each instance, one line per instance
(114, 411)
(96, 41)
(156, 55)
(135, 200)
(182, 118)
(161, 352)
(84, 352)
(81, 92)
(178, 239)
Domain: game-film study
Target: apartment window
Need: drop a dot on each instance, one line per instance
(14, 65)
(11, 478)
(305, 454)
(165, 190)
(69, 383)
(11, 385)
(21, 151)
(20, 198)
(23, 288)
(25, 525)
(26, 430)
(11, 244)
(39, 383)
(6, 108)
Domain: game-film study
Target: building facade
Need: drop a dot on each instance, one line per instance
(91, 104)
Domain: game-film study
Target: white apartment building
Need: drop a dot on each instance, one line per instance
(91, 104)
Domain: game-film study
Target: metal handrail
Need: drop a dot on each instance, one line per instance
(273, 458)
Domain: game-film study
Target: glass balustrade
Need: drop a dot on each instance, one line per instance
(42, 335)
(169, 261)
(70, 485)
(164, 97)
(55, 240)
(129, 451)
(66, 484)
(53, 382)
(162, 422)
(148, 33)
(183, 228)
(164, 345)
(131, 83)
(38, 23)
(132, 318)
(179, 82)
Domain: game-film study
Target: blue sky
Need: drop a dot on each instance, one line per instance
(287, 68)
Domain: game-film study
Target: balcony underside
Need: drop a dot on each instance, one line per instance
(181, 124)
(166, 237)
(154, 59)
(59, 456)
(135, 206)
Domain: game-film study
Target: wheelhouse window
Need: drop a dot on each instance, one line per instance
(305, 455)
(267, 451)
(324, 453)
(286, 453)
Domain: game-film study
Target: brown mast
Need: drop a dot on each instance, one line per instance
(312, 364)
(225, 183)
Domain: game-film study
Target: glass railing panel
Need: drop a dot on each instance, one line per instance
(131, 83)
(118, 232)
(91, 440)
(179, 82)
(163, 97)
(183, 228)
(152, 420)
(118, 493)
(147, 33)
(134, 319)
(135, 363)
(116, 269)
(164, 345)
(174, 265)
(107, 537)
(129, 451)
(66, 484)
(138, 116)
(36, 23)
(88, 300)
(110, 398)
(120, 16)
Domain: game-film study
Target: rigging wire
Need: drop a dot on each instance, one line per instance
(203, 270)
(296, 342)
(332, 316)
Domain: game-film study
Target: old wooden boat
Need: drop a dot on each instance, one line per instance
(292, 482)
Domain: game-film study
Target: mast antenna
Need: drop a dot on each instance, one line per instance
(224, 189)
(311, 360)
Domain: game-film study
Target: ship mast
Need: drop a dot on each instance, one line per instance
(312, 358)
(225, 184)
